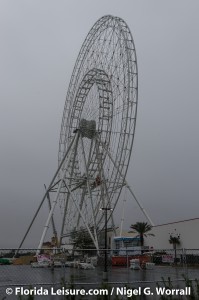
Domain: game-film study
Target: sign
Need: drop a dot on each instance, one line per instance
(43, 257)
(167, 258)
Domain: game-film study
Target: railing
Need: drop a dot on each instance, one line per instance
(84, 269)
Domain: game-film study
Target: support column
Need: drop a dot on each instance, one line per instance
(127, 185)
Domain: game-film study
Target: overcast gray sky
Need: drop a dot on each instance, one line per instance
(40, 41)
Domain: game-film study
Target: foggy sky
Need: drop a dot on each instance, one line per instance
(40, 41)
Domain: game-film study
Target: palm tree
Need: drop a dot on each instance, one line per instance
(142, 229)
(174, 240)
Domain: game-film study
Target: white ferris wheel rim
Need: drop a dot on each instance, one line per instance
(106, 59)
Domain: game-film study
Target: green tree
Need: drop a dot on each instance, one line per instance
(142, 229)
(81, 239)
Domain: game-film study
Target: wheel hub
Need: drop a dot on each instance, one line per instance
(87, 128)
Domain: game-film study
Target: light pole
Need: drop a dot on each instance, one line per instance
(175, 240)
(105, 274)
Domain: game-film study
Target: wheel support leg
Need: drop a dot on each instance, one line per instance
(44, 197)
(55, 199)
(127, 185)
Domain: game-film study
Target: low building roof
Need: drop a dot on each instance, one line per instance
(126, 238)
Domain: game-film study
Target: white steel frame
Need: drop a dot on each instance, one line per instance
(97, 131)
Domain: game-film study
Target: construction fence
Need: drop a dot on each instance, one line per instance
(110, 274)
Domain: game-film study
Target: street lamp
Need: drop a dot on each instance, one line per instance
(175, 240)
(105, 274)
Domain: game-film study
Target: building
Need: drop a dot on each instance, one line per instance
(186, 230)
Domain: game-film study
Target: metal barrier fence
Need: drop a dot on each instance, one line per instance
(84, 269)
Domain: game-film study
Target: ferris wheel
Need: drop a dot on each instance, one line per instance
(97, 130)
